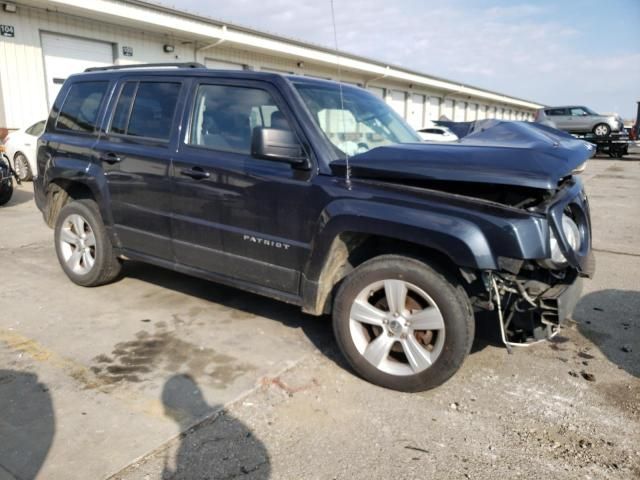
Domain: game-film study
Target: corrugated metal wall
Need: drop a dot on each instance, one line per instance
(22, 76)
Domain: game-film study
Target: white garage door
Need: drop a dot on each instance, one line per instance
(434, 108)
(397, 102)
(472, 112)
(416, 114)
(458, 115)
(377, 91)
(447, 110)
(65, 55)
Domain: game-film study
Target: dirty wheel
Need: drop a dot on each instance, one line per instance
(83, 247)
(402, 324)
(22, 168)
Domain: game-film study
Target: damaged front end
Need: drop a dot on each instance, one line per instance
(533, 297)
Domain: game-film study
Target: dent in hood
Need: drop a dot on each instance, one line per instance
(491, 151)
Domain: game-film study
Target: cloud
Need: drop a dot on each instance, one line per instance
(521, 49)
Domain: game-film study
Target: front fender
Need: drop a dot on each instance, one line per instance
(458, 238)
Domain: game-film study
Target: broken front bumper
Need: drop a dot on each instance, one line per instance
(532, 310)
(557, 303)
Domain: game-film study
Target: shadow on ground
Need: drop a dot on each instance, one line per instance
(611, 320)
(20, 195)
(220, 447)
(317, 329)
(27, 424)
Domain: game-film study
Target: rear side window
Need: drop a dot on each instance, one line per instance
(151, 113)
(554, 112)
(79, 111)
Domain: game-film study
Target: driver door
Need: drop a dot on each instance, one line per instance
(235, 215)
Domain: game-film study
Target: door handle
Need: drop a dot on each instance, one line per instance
(110, 157)
(197, 173)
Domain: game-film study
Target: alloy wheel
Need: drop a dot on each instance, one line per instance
(78, 244)
(397, 327)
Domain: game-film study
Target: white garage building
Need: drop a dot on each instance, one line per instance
(42, 42)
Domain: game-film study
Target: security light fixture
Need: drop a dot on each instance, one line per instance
(168, 48)
(300, 64)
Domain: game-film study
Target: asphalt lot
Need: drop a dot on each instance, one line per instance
(163, 376)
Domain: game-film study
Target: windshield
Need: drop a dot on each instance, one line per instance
(358, 122)
(589, 111)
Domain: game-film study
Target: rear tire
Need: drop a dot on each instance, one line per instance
(22, 168)
(602, 130)
(83, 247)
(402, 324)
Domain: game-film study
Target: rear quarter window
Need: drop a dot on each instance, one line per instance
(79, 112)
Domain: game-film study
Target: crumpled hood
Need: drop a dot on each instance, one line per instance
(490, 151)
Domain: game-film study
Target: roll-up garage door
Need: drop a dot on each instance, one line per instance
(459, 112)
(416, 112)
(377, 91)
(64, 55)
(472, 112)
(433, 108)
(447, 110)
(397, 102)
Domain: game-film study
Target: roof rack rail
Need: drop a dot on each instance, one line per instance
(146, 65)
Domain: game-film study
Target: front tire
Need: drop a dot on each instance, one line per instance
(402, 324)
(22, 168)
(83, 247)
(602, 130)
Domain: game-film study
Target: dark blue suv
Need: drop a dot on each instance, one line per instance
(320, 195)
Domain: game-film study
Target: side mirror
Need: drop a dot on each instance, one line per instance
(278, 145)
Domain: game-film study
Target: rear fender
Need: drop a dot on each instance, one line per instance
(65, 172)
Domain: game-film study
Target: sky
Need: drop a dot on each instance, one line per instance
(560, 52)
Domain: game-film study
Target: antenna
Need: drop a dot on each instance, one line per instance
(347, 176)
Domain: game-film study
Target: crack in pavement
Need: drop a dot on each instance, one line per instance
(614, 252)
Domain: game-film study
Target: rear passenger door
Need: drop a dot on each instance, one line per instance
(236, 215)
(136, 151)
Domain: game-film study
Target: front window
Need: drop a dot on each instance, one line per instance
(357, 122)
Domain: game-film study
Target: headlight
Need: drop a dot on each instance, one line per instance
(572, 234)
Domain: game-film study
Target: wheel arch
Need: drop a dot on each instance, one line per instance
(64, 188)
(348, 240)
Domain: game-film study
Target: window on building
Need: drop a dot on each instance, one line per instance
(79, 112)
(151, 114)
(224, 117)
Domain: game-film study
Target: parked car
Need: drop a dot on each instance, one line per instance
(20, 146)
(579, 119)
(436, 133)
(242, 178)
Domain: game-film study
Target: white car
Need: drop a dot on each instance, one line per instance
(436, 133)
(20, 147)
